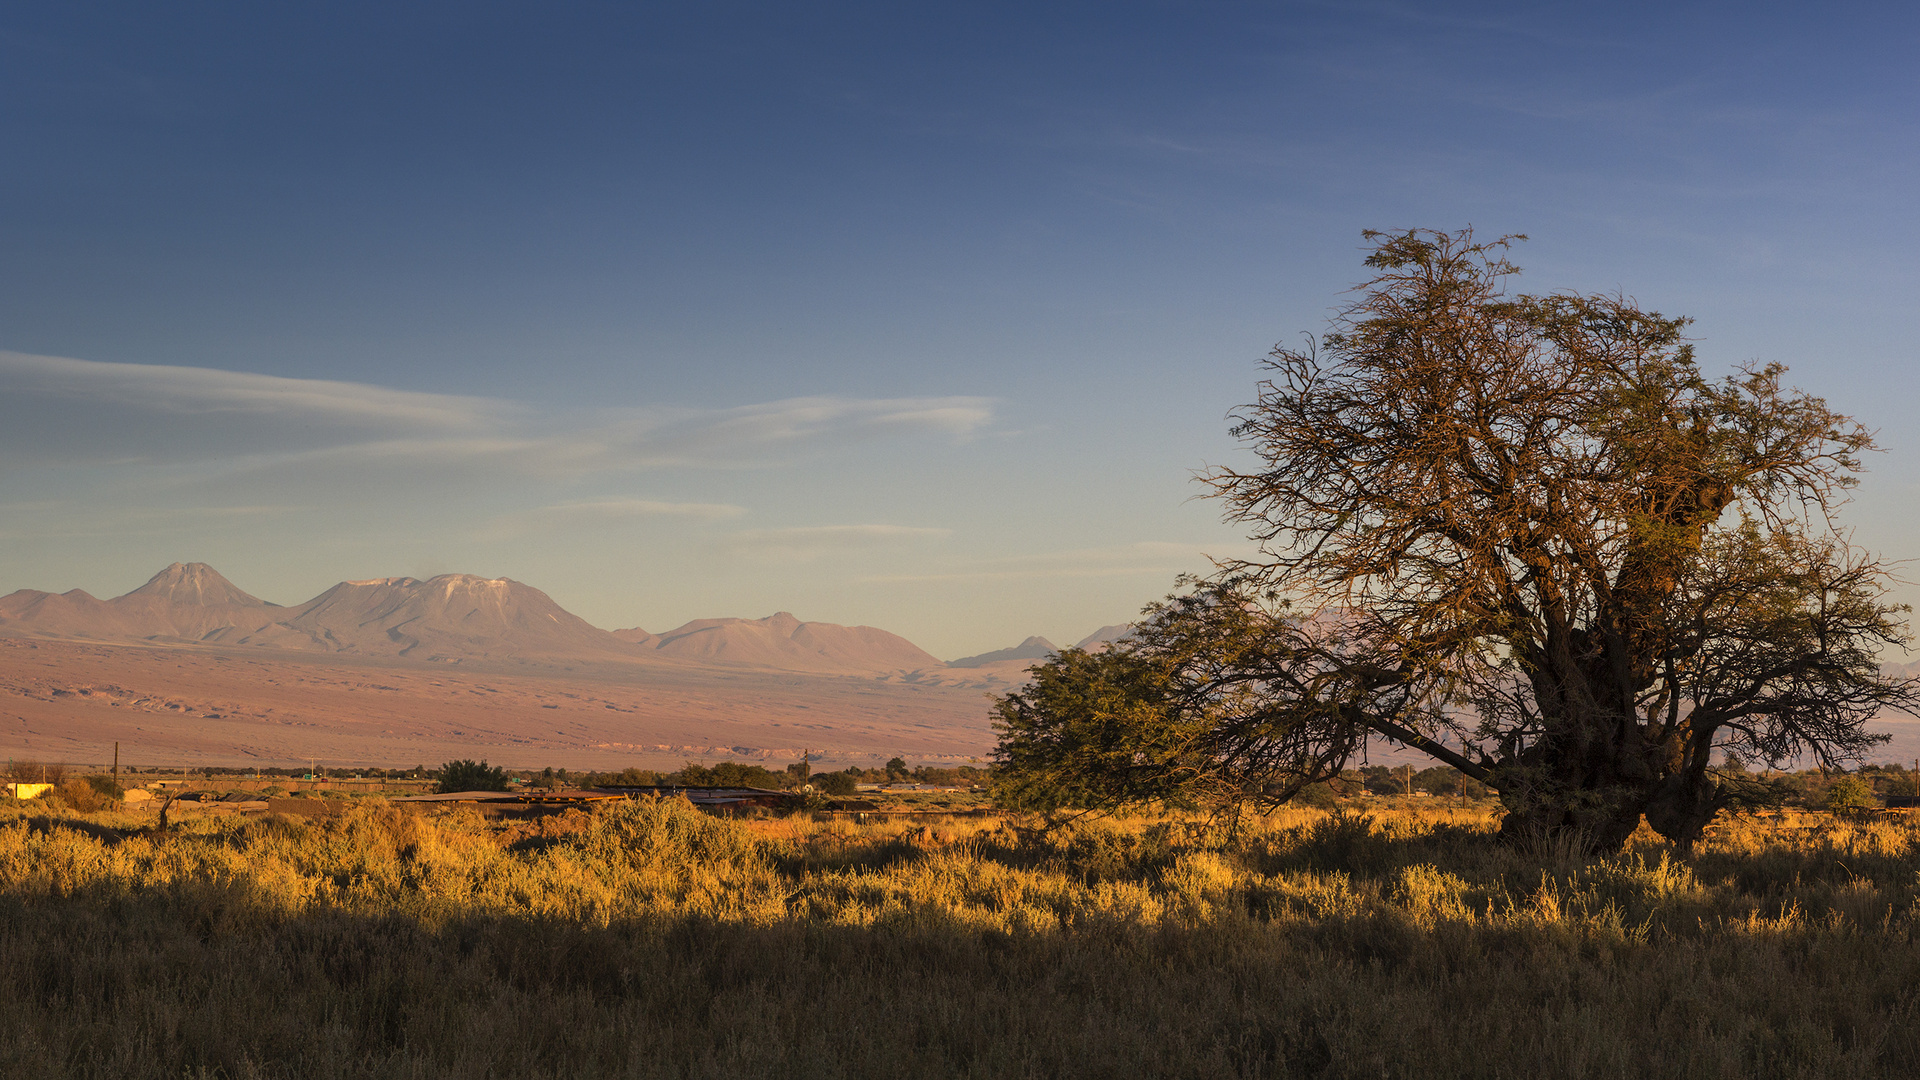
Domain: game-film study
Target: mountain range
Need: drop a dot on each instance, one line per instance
(455, 618)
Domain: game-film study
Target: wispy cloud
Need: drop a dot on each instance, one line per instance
(1146, 558)
(763, 433)
(602, 513)
(803, 543)
(55, 519)
(200, 392)
(66, 411)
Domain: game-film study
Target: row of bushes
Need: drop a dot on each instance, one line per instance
(736, 774)
(1811, 789)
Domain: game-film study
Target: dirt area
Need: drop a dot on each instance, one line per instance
(72, 701)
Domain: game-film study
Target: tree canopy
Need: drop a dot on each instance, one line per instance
(465, 775)
(1523, 534)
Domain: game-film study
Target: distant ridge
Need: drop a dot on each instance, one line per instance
(1033, 648)
(450, 618)
(187, 601)
(782, 641)
(74, 613)
(1104, 636)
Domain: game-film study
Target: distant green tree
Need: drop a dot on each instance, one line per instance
(1100, 731)
(630, 777)
(1320, 796)
(733, 774)
(466, 775)
(896, 768)
(1850, 794)
(107, 786)
(835, 783)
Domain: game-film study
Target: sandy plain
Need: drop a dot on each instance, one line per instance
(70, 701)
(187, 705)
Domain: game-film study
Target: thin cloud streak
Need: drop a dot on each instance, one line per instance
(226, 424)
(808, 542)
(1149, 557)
(602, 513)
(158, 388)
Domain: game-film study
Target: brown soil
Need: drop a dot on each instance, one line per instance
(72, 701)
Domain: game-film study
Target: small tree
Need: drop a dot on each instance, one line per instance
(466, 775)
(835, 783)
(1522, 534)
(1850, 795)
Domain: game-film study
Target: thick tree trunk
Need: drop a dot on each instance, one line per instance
(1681, 805)
(1593, 802)
(1584, 789)
(1587, 821)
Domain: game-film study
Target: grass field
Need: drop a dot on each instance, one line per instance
(646, 939)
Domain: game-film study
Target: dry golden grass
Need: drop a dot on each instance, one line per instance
(646, 939)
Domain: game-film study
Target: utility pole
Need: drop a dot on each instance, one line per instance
(116, 761)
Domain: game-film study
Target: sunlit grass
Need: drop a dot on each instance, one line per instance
(646, 939)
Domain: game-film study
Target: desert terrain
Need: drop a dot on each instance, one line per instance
(71, 701)
(191, 670)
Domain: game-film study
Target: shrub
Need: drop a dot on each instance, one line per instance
(108, 787)
(1318, 796)
(471, 776)
(626, 778)
(1850, 794)
(835, 783)
(733, 774)
(78, 794)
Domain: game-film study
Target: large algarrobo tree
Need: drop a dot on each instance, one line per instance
(1523, 534)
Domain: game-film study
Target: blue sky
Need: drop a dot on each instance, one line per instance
(919, 316)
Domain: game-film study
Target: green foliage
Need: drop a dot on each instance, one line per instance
(107, 787)
(835, 783)
(732, 774)
(1320, 796)
(960, 776)
(1096, 731)
(625, 778)
(1849, 794)
(467, 775)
